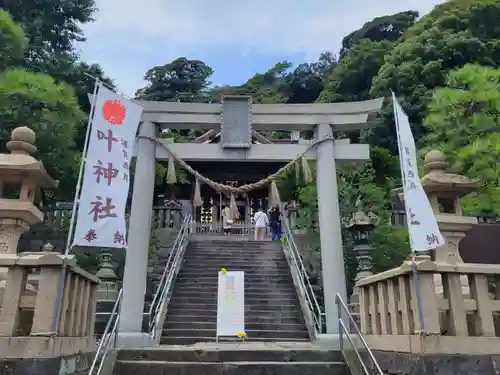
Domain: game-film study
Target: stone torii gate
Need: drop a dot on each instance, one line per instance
(237, 119)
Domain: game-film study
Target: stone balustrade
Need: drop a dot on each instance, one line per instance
(40, 319)
(454, 322)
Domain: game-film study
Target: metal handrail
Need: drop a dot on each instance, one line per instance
(343, 330)
(158, 308)
(304, 284)
(108, 337)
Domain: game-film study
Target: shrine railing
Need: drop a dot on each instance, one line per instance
(158, 309)
(217, 229)
(357, 354)
(59, 216)
(29, 309)
(313, 315)
(452, 301)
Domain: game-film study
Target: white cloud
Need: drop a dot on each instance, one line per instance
(129, 37)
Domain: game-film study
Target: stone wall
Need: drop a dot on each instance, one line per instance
(72, 365)
(394, 363)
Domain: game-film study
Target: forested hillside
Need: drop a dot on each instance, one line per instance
(443, 67)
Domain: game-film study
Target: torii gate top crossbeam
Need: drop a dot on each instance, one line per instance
(292, 117)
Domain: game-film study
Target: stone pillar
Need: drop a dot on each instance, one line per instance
(332, 255)
(136, 262)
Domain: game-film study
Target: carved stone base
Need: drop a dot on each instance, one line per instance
(10, 232)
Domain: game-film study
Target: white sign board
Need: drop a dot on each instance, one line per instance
(422, 225)
(231, 303)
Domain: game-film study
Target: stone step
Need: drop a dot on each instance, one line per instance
(259, 318)
(268, 326)
(212, 281)
(234, 264)
(249, 288)
(249, 299)
(271, 334)
(200, 339)
(235, 246)
(272, 306)
(200, 252)
(249, 293)
(222, 353)
(234, 241)
(229, 368)
(250, 276)
(211, 312)
(254, 271)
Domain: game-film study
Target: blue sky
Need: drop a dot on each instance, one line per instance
(236, 38)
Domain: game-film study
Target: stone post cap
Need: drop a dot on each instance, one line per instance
(435, 160)
(22, 141)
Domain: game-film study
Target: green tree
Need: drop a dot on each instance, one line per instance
(351, 79)
(181, 80)
(387, 28)
(52, 111)
(52, 26)
(12, 41)
(452, 35)
(464, 122)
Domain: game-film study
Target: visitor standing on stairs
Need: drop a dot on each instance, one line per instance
(227, 220)
(275, 222)
(261, 222)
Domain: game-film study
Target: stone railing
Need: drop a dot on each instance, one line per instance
(59, 217)
(35, 317)
(451, 322)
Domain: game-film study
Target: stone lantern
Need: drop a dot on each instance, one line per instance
(444, 191)
(108, 289)
(361, 225)
(20, 175)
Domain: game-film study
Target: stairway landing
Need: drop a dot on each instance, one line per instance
(248, 358)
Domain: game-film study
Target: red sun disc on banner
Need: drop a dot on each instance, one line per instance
(114, 112)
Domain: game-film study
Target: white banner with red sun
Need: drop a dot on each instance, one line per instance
(101, 211)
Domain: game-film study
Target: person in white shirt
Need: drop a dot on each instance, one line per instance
(227, 221)
(261, 222)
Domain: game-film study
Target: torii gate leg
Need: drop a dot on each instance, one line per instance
(136, 261)
(332, 255)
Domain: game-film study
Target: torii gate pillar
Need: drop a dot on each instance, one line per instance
(136, 263)
(332, 255)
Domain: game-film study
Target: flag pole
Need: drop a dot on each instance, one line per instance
(76, 201)
(62, 275)
(414, 266)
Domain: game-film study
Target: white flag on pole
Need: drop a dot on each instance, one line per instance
(101, 214)
(422, 225)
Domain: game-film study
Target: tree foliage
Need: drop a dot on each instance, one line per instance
(180, 80)
(452, 35)
(12, 41)
(51, 110)
(51, 26)
(386, 28)
(463, 120)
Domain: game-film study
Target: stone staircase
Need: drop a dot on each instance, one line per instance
(272, 310)
(231, 359)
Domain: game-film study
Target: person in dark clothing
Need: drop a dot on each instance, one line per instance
(275, 223)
